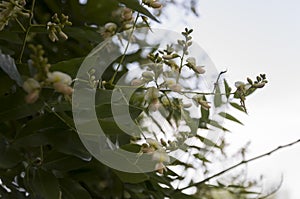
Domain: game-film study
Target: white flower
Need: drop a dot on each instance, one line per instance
(160, 156)
(63, 88)
(191, 60)
(242, 85)
(137, 82)
(110, 27)
(200, 69)
(176, 87)
(188, 105)
(31, 85)
(59, 77)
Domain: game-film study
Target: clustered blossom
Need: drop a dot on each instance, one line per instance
(124, 16)
(10, 10)
(58, 80)
(56, 25)
(159, 154)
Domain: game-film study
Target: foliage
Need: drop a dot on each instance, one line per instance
(43, 44)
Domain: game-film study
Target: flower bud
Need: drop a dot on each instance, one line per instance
(167, 57)
(155, 105)
(63, 35)
(110, 27)
(200, 69)
(148, 75)
(165, 101)
(32, 97)
(63, 88)
(191, 61)
(187, 105)
(249, 80)
(259, 85)
(137, 82)
(176, 87)
(155, 4)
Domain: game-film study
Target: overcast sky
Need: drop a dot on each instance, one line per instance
(248, 38)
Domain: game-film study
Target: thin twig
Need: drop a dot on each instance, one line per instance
(126, 49)
(241, 163)
(27, 32)
(217, 81)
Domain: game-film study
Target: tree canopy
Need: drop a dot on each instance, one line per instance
(57, 57)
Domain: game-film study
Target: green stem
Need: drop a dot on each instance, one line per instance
(181, 59)
(20, 24)
(27, 32)
(124, 53)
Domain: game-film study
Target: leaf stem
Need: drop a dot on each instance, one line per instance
(126, 49)
(241, 163)
(27, 32)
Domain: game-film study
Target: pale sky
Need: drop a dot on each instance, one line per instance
(248, 38)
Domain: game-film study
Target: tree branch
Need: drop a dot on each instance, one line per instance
(241, 163)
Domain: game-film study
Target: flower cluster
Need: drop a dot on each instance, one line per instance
(124, 17)
(10, 10)
(56, 25)
(43, 77)
(245, 89)
(158, 152)
(165, 70)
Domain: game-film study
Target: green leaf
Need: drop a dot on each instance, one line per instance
(7, 64)
(45, 184)
(73, 190)
(201, 157)
(49, 129)
(132, 178)
(14, 107)
(9, 157)
(9, 36)
(217, 125)
(70, 66)
(191, 122)
(180, 195)
(83, 33)
(217, 97)
(227, 89)
(135, 5)
(134, 148)
(237, 106)
(62, 162)
(230, 117)
(207, 141)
